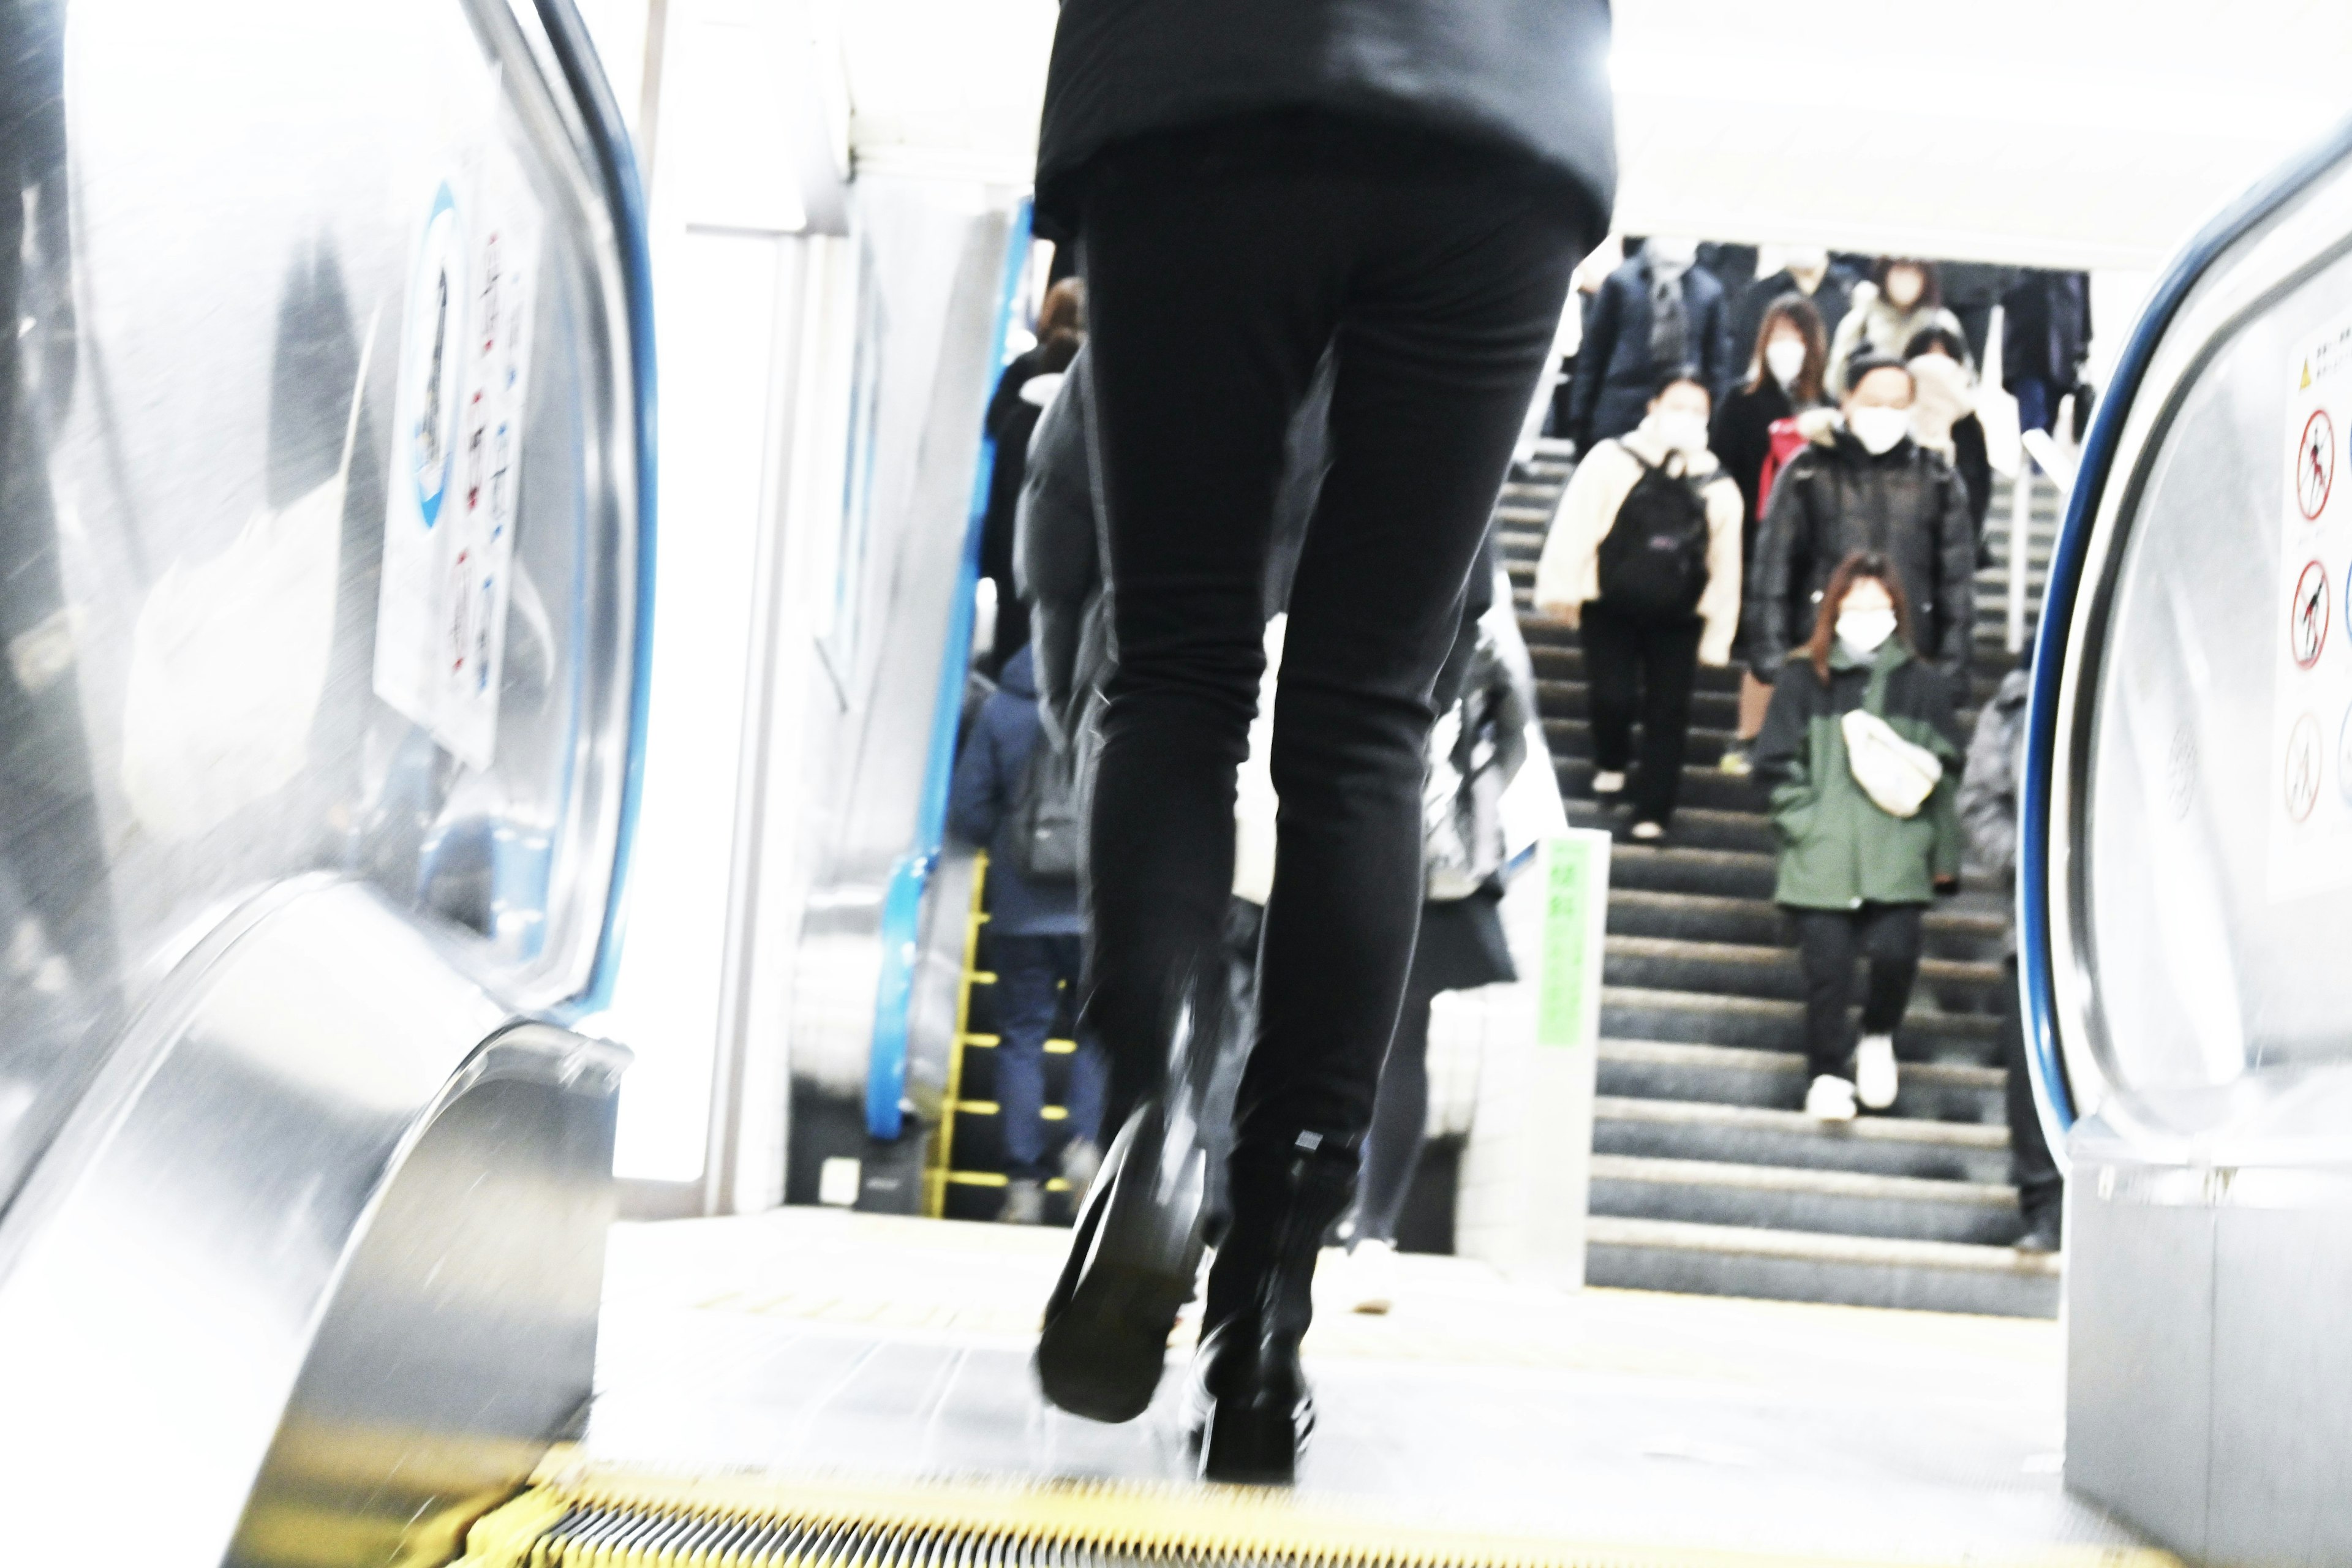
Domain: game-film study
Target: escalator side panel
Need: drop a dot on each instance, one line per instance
(332, 1251)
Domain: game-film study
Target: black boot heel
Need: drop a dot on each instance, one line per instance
(1256, 1443)
(1134, 1255)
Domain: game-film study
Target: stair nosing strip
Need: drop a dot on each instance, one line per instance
(1978, 1135)
(1757, 1058)
(1817, 1247)
(1655, 1170)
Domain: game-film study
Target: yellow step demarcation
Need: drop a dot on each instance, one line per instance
(990, 1042)
(579, 1514)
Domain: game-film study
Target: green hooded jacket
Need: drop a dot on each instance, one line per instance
(1839, 849)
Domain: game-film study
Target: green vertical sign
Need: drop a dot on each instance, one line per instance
(1574, 877)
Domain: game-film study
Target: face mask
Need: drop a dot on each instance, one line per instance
(1684, 432)
(1785, 358)
(1863, 630)
(1879, 428)
(1904, 290)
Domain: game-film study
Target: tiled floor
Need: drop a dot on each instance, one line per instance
(813, 1340)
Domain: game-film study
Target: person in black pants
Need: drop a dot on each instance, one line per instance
(1410, 189)
(1988, 808)
(1641, 658)
(1855, 871)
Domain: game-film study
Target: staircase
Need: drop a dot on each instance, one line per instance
(1707, 1177)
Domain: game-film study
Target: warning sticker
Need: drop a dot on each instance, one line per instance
(2310, 833)
(449, 519)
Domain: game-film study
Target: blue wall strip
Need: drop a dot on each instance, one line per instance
(902, 903)
(2044, 1058)
(616, 161)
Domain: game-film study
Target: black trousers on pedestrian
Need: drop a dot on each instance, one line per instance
(1831, 944)
(1399, 1118)
(1220, 264)
(1640, 671)
(2039, 1185)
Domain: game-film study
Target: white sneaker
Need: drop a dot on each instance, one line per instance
(1647, 833)
(1830, 1100)
(1873, 1071)
(1608, 783)
(1371, 1277)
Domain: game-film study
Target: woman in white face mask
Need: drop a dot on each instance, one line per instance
(1644, 558)
(1862, 752)
(1754, 433)
(1904, 297)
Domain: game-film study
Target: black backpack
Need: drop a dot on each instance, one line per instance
(1046, 827)
(1653, 561)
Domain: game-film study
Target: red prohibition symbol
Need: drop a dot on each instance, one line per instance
(2306, 628)
(2315, 465)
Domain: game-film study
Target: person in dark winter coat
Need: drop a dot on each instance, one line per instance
(1032, 940)
(1252, 185)
(1989, 794)
(1864, 484)
(2046, 336)
(1658, 312)
(1854, 876)
(1791, 356)
(1021, 393)
(1808, 275)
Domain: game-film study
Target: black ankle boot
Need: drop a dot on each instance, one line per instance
(1135, 1253)
(1250, 1405)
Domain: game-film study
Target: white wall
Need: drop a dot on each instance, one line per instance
(737, 292)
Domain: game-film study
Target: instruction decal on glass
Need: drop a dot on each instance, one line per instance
(458, 419)
(2310, 810)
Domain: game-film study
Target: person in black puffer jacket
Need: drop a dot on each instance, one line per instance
(1864, 484)
(1408, 185)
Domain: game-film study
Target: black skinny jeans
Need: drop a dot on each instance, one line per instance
(1638, 669)
(1219, 264)
(1830, 943)
(1399, 1118)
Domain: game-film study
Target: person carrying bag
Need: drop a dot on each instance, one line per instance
(1643, 559)
(1861, 749)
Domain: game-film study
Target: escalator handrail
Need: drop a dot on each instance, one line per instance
(902, 902)
(616, 165)
(2045, 1060)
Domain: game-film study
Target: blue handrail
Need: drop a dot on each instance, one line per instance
(2044, 1059)
(617, 160)
(902, 902)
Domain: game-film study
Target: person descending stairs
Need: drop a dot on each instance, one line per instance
(1707, 1177)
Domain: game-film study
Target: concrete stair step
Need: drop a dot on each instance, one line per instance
(1964, 1092)
(1800, 1265)
(1572, 737)
(1780, 1197)
(1565, 699)
(1708, 787)
(1678, 869)
(1699, 917)
(1757, 1135)
(1697, 828)
(1769, 1022)
(1756, 971)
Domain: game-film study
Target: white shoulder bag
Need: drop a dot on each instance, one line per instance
(1896, 775)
